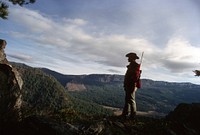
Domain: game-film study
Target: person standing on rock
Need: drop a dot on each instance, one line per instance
(130, 85)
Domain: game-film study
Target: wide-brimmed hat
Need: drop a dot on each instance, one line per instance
(132, 55)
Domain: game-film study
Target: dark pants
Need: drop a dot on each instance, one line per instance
(130, 104)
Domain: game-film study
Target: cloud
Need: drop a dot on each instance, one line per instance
(180, 55)
(68, 35)
(65, 42)
(114, 71)
(21, 57)
(177, 66)
(31, 19)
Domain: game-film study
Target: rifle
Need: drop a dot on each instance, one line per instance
(141, 58)
(138, 83)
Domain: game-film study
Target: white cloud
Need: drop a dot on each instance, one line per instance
(21, 57)
(180, 55)
(66, 42)
(33, 20)
(75, 22)
(180, 49)
(68, 36)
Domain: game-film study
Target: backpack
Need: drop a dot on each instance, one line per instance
(139, 83)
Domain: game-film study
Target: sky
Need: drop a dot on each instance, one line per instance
(93, 36)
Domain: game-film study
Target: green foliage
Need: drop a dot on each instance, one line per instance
(89, 108)
(156, 96)
(107, 94)
(22, 2)
(160, 97)
(82, 112)
(163, 97)
(4, 6)
(3, 10)
(44, 95)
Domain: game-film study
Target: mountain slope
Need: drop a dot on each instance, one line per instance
(183, 120)
(44, 95)
(41, 92)
(158, 96)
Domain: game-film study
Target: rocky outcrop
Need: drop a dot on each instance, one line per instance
(75, 87)
(10, 90)
(10, 94)
(185, 119)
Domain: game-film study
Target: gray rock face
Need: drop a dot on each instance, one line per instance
(10, 94)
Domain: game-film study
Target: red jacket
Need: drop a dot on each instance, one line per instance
(132, 74)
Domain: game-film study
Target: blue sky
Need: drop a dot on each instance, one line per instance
(93, 36)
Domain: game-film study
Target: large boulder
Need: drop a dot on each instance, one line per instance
(10, 94)
(185, 119)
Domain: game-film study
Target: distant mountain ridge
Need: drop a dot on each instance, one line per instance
(106, 89)
(92, 78)
(110, 78)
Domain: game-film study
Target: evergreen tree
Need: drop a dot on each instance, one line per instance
(4, 6)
